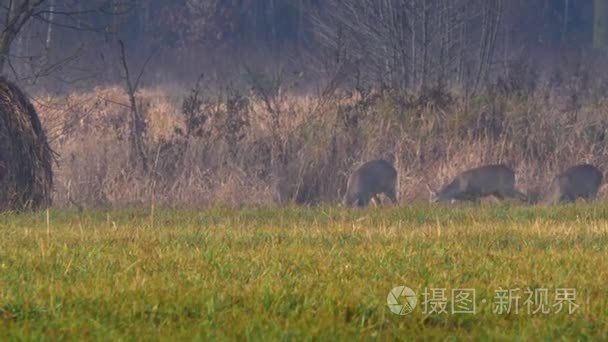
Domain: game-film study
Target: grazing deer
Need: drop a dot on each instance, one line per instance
(370, 179)
(579, 181)
(497, 180)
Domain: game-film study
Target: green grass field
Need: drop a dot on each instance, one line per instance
(302, 273)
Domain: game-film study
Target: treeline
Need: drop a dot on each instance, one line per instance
(394, 43)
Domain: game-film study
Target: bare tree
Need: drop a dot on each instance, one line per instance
(414, 43)
(138, 124)
(15, 15)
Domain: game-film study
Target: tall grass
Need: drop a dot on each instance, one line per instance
(271, 145)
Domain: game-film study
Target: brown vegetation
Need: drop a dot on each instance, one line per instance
(26, 179)
(230, 147)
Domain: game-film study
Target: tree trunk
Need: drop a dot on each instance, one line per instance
(600, 24)
(565, 22)
(137, 121)
(425, 43)
(6, 39)
(49, 28)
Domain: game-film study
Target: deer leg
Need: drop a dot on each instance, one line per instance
(391, 195)
(513, 193)
(473, 199)
(592, 196)
(523, 197)
(567, 199)
(500, 196)
(362, 202)
(374, 198)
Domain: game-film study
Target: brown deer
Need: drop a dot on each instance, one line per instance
(579, 181)
(497, 180)
(370, 179)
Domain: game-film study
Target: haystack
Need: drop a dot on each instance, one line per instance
(26, 177)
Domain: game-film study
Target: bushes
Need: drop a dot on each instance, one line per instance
(230, 147)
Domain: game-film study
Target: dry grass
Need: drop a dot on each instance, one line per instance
(26, 179)
(301, 148)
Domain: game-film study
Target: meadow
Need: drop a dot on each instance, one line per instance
(302, 273)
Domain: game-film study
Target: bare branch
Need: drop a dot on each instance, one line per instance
(137, 122)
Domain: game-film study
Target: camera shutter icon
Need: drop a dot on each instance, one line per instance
(401, 300)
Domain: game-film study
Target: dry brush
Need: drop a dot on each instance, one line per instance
(235, 148)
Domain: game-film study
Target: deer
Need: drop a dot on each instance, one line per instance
(496, 180)
(369, 180)
(578, 181)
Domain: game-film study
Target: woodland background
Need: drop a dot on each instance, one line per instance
(192, 103)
